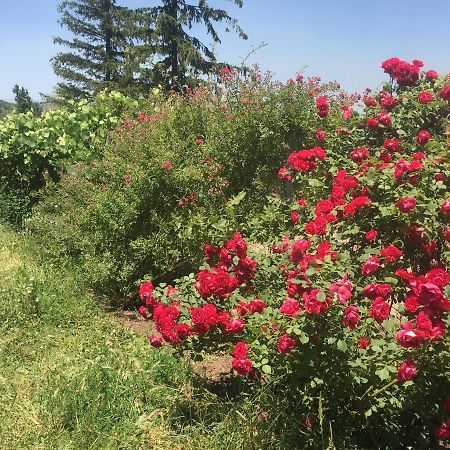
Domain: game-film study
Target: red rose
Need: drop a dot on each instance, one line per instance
(443, 432)
(363, 342)
(351, 317)
(290, 307)
(411, 304)
(240, 350)
(286, 344)
(425, 97)
(370, 266)
(407, 371)
(234, 326)
(391, 253)
(166, 165)
(447, 234)
(155, 341)
(408, 337)
(384, 118)
(423, 137)
(371, 235)
(321, 135)
(391, 145)
(146, 290)
(372, 124)
(445, 93)
(283, 174)
(295, 216)
(387, 101)
(359, 154)
(297, 250)
(380, 309)
(406, 204)
(438, 276)
(445, 207)
(242, 366)
(199, 141)
(322, 106)
(431, 75)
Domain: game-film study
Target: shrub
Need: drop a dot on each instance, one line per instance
(35, 150)
(168, 176)
(343, 317)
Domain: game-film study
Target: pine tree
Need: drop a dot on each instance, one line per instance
(24, 102)
(102, 54)
(180, 54)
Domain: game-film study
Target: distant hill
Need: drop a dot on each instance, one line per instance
(5, 107)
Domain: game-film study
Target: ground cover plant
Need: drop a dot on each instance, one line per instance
(341, 312)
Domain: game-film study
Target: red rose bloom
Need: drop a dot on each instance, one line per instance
(384, 118)
(406, 204)
(155, 341)
(363, 342)
(445, 93)
(423, 137)
(447, 234)
(407, 371)
(391, 145)
(370, 266)
(322, 106)
(286, 344)
(290, 307)
(391, 253)
(283, 174)
(372, 124)
(445, 207)
(425, 97)
(321, 135)
(351, 317)
(297, 250)
(242, 366)
(359, 154)
(295, 216)
(438, 276)
(443, 432)
(409, 337)
(411, 304)
(371, 235)
(431, 75)
(380, 309)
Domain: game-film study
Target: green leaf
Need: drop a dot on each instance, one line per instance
(383, 373)
(266, 369)
(342, 345)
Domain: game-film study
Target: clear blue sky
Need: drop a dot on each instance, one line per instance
(343, 40)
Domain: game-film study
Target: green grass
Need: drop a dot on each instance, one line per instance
(71, 377)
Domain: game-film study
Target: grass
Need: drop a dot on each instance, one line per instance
(71, 377)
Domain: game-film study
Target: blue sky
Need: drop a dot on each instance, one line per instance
(343, 40)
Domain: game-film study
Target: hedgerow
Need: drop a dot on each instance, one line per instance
(340, 309)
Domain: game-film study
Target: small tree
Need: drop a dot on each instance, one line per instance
(24, 102)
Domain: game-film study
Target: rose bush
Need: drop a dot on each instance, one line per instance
(341, 308)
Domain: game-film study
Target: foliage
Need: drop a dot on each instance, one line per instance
(24, 102)
(35, 150)
(169, 176)
(341, 312)
(180, 57)
(5, 107)
(102, 55)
